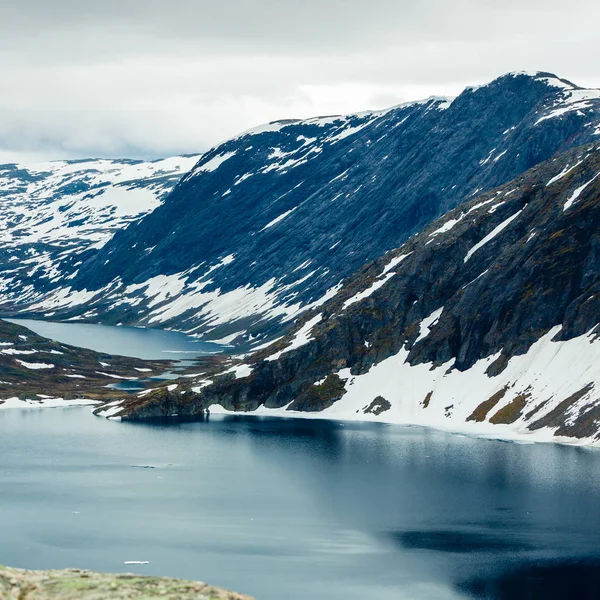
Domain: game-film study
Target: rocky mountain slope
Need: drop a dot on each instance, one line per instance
(54, 214)
(75, 584)
(488, 319)
(268, 224)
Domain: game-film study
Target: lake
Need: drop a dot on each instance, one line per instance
(136, 342)
(301, 510)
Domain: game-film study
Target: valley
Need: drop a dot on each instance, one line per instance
(89, 364)
(382, 266)
(485, 321)
(235, 339)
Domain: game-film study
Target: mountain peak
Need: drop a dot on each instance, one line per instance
(550, 79)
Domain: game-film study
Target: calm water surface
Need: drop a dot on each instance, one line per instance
(137, 342)
(301, 510)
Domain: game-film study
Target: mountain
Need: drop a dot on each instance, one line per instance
(55, 213)
(486, 319)
(267, 225)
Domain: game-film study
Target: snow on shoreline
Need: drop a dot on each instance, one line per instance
(16, 403)
(443, 398)
(484, 431)
(478, 430)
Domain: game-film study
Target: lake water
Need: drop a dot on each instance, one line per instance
(301, 510)
(137, 342)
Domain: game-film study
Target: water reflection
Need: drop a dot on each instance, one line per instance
(136, 342)
(458, 541)
(578, 580)
(288, 508)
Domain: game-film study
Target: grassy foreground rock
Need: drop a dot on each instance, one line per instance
(74, 584)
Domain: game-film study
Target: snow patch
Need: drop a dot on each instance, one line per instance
(575, 196)
(35, 366)
(428, 323)
(213, 164)
(302, 337)
(394, 263)
(240, 371)
(278, 219)
(368, 292)
(492, 235)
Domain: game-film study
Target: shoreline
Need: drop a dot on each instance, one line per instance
(502, 433)
(17, 403)
(78, 584)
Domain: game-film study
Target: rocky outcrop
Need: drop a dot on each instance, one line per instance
(268, 224)
(75, 584)
(486, 318)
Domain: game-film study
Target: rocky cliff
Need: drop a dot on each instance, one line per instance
(487, 319)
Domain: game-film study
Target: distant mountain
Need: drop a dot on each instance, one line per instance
(53, 213)
(269, 224)
(488, 318)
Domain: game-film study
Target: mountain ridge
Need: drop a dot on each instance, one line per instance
(487, 320)
(268, 224)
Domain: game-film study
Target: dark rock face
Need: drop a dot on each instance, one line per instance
(377, 407)
(489, 279)
(270, 221)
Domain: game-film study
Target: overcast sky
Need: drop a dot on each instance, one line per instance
(149, 78)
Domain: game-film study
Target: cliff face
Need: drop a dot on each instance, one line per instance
(488, 317)
(74, 584)
(268, 224)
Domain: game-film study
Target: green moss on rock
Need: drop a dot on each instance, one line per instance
(511, 412)
(74, 584)
(320, 397)
(481, 412)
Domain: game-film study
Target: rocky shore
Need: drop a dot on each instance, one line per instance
(74, 584)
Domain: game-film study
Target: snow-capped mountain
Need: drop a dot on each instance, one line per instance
(53, 213)
(488, 320)
(267, 225)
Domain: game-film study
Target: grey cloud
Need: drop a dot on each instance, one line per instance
(280, 25)
(150, 77)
